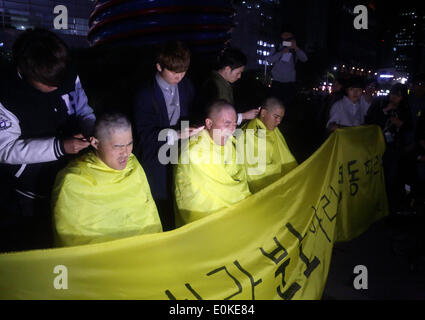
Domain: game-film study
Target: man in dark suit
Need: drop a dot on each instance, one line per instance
(160, 106)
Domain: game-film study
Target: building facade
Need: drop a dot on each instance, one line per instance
(257, 26)
(409, 41)
(19, 15)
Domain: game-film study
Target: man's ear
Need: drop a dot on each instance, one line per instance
(94, 142)
(227, 70)
(158, 67)
(208, 123)
(263, 113)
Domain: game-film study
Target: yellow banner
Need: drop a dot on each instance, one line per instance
(276, 244)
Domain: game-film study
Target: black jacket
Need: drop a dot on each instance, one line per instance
(377, 116)
(150, 117)
(32, 125)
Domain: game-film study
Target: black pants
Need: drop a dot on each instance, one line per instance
(399, 169)
(25, 224)
(166, 214)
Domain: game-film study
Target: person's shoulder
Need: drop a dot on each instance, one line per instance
(215, 77)
(133, 163)
(77, 169)
(199, 147)
(145, 90)
(134, 167)
(341, 103)
(279, 134)
(147, 85)
(254, 124)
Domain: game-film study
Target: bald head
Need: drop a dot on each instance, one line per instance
(113, 141)
(273, 103)
(109, 123)
(221, 121)
(272, 113)
(214, 109)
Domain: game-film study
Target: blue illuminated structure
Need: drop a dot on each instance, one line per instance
(203, 24)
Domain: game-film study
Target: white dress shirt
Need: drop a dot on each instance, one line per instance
(346, 113)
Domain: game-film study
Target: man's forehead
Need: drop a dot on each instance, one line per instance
(217, 115)
(119, 136)
(240, 69)
(275, 108)
(227, 114)
(279, 112)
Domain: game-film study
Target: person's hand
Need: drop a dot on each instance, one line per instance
(251, 114)
(294, 45)
(397, 122)
(75, 144)
(189, 132)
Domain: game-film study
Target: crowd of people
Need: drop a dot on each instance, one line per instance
(70, 176)
(400, 117)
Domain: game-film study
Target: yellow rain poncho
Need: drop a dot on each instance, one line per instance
(274, 245)
(93, 203)
(278, 158)
(210, 182)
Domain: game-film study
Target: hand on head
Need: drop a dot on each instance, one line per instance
(75, 144)
(251, 114)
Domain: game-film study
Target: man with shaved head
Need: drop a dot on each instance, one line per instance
(262, 135)
(211, 179)
(104, 194)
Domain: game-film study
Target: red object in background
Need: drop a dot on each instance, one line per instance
(204, 25)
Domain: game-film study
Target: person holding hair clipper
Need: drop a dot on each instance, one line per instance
(45, 118)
